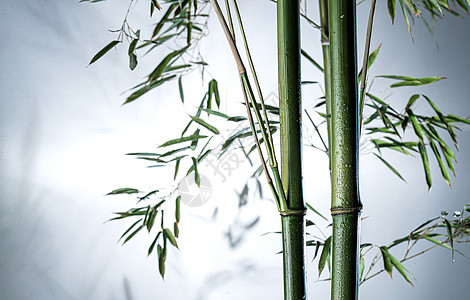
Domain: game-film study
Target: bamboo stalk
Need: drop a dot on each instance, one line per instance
(325, 42)
(345, 203)
(288, 18)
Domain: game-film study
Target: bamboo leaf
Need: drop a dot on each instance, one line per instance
(138, 93)
(325, 254)
(161, 260)
(411, 101)
(167, 233)
(123, 191)
(213, 91)
(315, 211)
(371, 60)
(197, 178)
(450, 236)
(104, 51)
(152, 246)
(392, 7)
(190, 138)
(129, 229)
(388, 266)
(132, 61)
(151, 219)
(400, 268)
(205, 124)
(180, 87)
(133, 234)
(406, 19)
(425, 160)
(361, 268)
(390, 167)
(443, 168)
(158, 71)
(178, 209)
(310, 59)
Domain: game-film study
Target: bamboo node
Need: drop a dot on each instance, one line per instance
(293, 212)
(345, 210)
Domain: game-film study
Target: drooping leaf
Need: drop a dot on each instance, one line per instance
(388, 266)
(325, 254)
(425, 160)
(133, 234)
(197, 178)
(167, 233)
(158, 71)
(180, 87)
(132, 61)
(178, 209)
(315, 211)
(310, 59)
(130, 228)
(450, 236)
(440, 162)
(392, 8)
(104, 51)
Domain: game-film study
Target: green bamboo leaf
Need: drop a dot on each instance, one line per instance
(310, 59)
(151, 219)
(315, 211)
(180, 87)
(129, 229)
(216, 113)
(152, 246)
(443, 168)
(132, 61)
(450, 236)
(361, 269)
(133, 44)
(167, 233)
(176, 229)
(425, 160)
(406, 19)
(392, 8)
(158, 71)
(104, 51)
(133, 234)
(177, 166)
(453, 118)
(325, 254)
(463, 5)
(213, 91)
(416, 126)
(432, 240)
(390, 167)
(371, 60)
(190, 138)
(205, 124)
(435, 4)
(411, 101)
(189, 27)
(163, 20)
(197, 178)
(155, 3)
(400, 268)
(388, 266)
(161, 253)
(138, 93)
(123, 191)
(178, 209)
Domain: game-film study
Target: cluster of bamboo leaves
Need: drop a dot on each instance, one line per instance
(181, 27)
(442, 231)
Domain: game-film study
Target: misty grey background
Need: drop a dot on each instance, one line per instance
(63, 134)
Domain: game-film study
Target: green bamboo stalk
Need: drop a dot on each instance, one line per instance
(325, 42)
(345, 202)
(288, 22)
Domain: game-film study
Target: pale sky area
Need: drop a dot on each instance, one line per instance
(64, 133)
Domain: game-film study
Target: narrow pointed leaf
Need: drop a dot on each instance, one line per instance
(190, 138)
(425, 160)
(104, 51)
(167, 233)
(325, 254)
(390, 167)
(392, 8)
(205, 124)
(123, 191)
(388, 266)
(450, 236)
(130, 228)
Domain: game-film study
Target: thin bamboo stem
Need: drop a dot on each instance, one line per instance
(365, 64)
(255, 77)
(345, 203)
(293, 225)
(325, 42)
